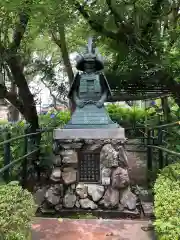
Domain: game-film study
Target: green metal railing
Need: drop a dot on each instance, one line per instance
(153, 139)
(28, 139)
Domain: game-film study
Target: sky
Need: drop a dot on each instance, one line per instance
(44, 94)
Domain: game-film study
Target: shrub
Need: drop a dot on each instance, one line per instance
(17, 208)
(127, 117)
(167, 203)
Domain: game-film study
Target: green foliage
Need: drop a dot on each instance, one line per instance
(15, 129)
(59, 119)
(17, 208)
(127, 117)
(167, 203)
(18, 129)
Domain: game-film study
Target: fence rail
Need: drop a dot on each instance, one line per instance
(8, 163)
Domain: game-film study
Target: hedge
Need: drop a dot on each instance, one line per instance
(167, 203)
(17, 208)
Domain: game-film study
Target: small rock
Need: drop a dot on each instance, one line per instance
(148, 208)
(51, 197)
(62, 141)
(47, 208)
(116, 142)
(66, 146)
(123, 156)
(120, 178)
(69, 156)
(106, 172)
(57, 161)
(58, 189)
(95, 191)
(56, 174)
(87, 204)
(77, 204)
(69, 175)
(39, 195)
(94, 146)
(110, 198)
(73, 186)
(89, 141)
(107, 141)
(69, 200)
(55, 147)
(109, 156)
(81, 190)
(72, 144)
(133, 213)
(120, 207)
(105, 176)
(128, 199)
(106, 181)
(76, 145)
(58, 207)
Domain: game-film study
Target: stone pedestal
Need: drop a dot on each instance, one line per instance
(106, 182)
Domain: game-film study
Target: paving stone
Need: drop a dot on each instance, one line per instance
(90, 229)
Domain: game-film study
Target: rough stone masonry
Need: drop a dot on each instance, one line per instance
(66, 192)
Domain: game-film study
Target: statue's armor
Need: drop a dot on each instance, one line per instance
(90, 87)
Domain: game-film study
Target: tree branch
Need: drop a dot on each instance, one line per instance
(19, 31)
(117, 18)
(174, 34)
(125, 33)
(52, 95)
(154, 14)
(56, 40)
(65, 54)
(95, 25)
(12, 98)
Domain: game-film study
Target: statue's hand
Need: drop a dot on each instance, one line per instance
(99, 104)
(80, 103)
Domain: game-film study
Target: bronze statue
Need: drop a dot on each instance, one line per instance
(89, 91)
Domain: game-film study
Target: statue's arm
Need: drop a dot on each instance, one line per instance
(75, 97)
(104, 95)
(102, 100)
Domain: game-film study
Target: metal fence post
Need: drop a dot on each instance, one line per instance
(160, 152)
(153, 134)
(7, 156)
(24, 164)
(149, 154)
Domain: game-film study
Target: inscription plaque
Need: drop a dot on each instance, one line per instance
(89, 166)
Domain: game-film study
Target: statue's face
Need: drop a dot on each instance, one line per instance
(89, 67)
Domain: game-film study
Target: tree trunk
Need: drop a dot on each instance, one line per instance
(65, 56)
(166, 109)
(13, 114)
(30, 112)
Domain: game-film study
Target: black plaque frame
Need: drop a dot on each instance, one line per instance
(88, 161)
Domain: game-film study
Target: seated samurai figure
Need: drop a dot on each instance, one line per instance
(89, 91)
